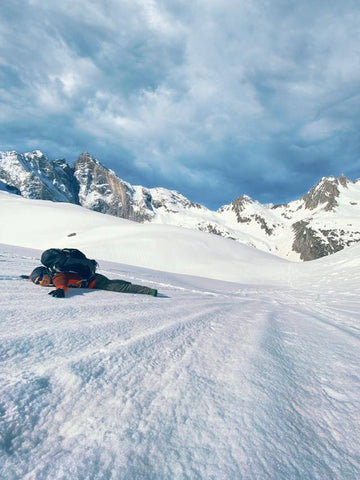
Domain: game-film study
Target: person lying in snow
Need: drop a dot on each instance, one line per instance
(63, 280)
(69, 267)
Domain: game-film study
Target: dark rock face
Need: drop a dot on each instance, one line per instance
(101, 190)
(8, 188)
(238, 206)
(307, 243)
(312, 244)
(37, 177)
(325, 193)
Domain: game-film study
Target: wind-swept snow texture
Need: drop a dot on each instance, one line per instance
(249, 379)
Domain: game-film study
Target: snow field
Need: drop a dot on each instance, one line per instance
(38, 224)
(211, 380)
(256, 378)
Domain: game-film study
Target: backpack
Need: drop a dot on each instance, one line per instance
(69, 260)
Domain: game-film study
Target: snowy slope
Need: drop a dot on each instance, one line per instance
(43, 224)
(251, 379)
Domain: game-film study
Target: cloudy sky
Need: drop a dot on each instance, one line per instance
(214, 98)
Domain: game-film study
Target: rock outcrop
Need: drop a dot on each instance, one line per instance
(100, 189)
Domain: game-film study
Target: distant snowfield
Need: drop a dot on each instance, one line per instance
(253, 378)
(42, 224)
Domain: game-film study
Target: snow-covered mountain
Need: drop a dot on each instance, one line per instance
(100, 189)
(323, 221)
(35, 176)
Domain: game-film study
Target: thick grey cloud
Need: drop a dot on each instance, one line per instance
(215, 98)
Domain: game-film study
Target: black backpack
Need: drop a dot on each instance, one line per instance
(69, 260)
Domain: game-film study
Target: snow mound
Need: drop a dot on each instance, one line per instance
(43, 224)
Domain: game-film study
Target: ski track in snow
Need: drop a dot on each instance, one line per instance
(221, 382)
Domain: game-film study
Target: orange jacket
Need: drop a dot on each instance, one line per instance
(65, 280)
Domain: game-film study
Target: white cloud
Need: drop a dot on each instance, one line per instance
(318, 130)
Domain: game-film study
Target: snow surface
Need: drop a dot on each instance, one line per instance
(257, 378)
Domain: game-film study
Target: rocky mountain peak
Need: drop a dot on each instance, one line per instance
(239, 204)
(35, 176)
(100, 189)
(344, 181)
(242, 201)
(88, 171)
(86, 159)
(34, 154)
(325, 193)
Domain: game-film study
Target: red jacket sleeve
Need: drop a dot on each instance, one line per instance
(64, 280)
